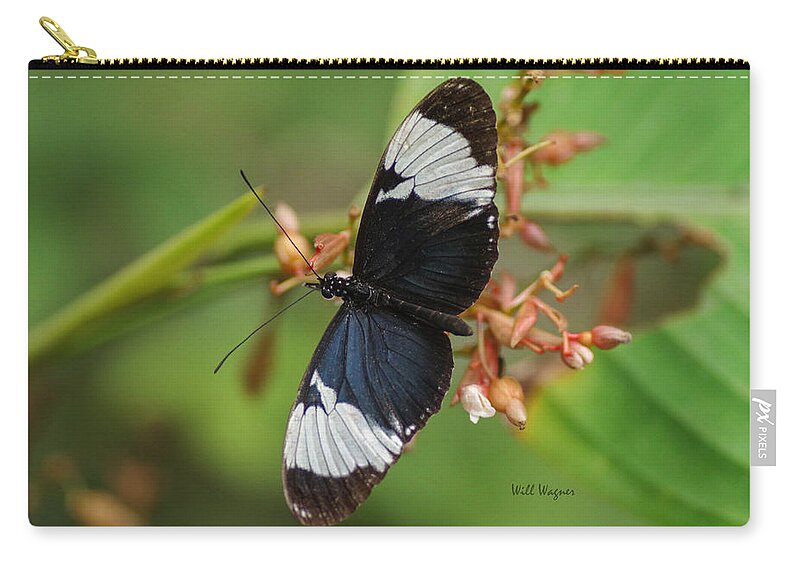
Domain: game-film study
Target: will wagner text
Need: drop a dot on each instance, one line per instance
(540, 490)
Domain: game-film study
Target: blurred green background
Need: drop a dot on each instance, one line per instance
(126, 406)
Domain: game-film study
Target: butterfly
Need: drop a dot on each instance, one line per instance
(425, 249)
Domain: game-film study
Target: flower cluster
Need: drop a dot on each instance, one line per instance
(328, 247)
(516, 153)
(507, 319)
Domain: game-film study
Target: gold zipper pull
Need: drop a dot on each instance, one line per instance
(72, 53)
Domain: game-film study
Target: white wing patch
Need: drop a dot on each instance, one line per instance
(328, 395)
(437, 163)
(399, 192)
(335, 439)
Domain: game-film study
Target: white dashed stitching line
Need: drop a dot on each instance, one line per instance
(360, 77)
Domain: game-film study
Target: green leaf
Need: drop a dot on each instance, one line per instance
(141, 278)
(660, 427)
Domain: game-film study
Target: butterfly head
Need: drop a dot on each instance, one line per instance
(331, 285)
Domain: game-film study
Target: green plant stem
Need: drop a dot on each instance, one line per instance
(225, 273)
(190, 288)
(143, 277)
(171, 269)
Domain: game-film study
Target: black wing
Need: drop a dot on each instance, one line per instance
(429, 230)
(374, 380)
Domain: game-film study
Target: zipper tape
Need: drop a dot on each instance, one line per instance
(384, 63)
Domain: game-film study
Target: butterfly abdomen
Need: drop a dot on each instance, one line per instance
(436, 319)
(358, 292)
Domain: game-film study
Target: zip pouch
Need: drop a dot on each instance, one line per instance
(536, 275)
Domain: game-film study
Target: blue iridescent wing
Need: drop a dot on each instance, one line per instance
(373, 381)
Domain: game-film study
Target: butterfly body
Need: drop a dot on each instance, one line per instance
(358, 293)
(425, 250)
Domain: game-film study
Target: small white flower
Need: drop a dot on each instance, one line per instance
(476, 403)
(579, 356)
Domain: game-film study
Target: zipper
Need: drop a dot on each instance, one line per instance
(72, 53)
(79, 57)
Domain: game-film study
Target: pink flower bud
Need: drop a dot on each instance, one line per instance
(505, 288)
(533, 235)
(291, 262)
(566, 145)
(523, 322)
(514, 177)
(557, 153)
(472, 375)
(579, 356)
(587, 140)
(500, 324)
(606, 337)
(328, 247)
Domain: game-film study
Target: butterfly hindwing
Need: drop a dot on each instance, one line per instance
(429, 230)
(373, 381)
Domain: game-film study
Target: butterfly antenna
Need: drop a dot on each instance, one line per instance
(274, 219)
(261, 326)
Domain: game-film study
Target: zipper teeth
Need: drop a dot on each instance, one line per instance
(443, 63)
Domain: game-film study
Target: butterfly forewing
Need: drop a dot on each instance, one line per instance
(428, 237)
(429, 230)
(373, 381)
